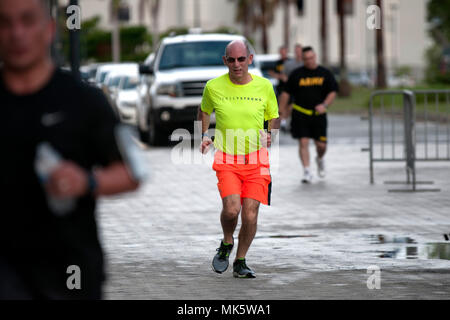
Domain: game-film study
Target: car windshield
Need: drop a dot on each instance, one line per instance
(129, 83)
(103, 76)
(192, 54)
(114, 82)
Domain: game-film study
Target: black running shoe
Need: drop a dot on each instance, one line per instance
(241, 270)
(220, 262)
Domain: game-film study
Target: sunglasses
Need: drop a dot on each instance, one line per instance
(239, 59)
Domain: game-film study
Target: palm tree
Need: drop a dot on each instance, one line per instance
(344, 86)
(381, 68)
(256, 14)
(264, 17)
(153, 7)
(324, 31)
(114, 6)
(244, 15)
(287, 20)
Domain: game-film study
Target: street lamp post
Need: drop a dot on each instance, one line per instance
(74, 38)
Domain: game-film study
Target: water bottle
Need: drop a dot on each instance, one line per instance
(48, 159)
(133, 157)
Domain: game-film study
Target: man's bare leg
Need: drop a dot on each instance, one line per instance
(321, 148)
(304, 152)
(304, 157)
(229, 216)
(247, 233)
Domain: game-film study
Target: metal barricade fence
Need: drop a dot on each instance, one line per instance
(409, 126)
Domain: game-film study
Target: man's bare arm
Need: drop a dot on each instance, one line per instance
(274, 124)
(330, 98)
(284, 105)
(322, 108)
(114, 179)
(70, 180)
(204, 118)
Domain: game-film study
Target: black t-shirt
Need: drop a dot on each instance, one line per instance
(310, 87)
(279, 68)
(79, 123)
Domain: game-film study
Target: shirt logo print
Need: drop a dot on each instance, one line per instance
(242, 98)
(309, 82)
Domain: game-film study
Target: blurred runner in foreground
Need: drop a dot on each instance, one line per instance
(48, 232)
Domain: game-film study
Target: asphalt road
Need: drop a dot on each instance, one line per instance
(315, 242)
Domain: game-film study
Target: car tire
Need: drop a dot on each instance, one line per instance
(144, 136)
(156, 135)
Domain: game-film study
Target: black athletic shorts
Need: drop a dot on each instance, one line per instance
(306, 126)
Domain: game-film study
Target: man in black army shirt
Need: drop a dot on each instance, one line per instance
(313, 89)
(39, 103)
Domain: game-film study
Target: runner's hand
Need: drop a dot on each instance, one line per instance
(68, 181)
(321, 109)
(204, 147)
(265, 138)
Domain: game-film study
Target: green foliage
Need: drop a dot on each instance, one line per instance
(439, 17)
(96, 42)
(133, 42)
(433, 74)
(403, 71)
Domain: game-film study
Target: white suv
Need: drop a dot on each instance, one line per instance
(174, 80)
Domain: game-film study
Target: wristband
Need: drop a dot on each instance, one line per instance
(204, 135)
(92, 184)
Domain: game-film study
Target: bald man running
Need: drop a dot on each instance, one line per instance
(242, 102)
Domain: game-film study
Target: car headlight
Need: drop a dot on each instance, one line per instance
(172, 89)
(129, 104)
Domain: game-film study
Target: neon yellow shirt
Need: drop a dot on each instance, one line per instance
(240, 112)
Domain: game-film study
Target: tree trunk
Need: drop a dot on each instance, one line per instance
(246, 21)
(155, 23)
(381, 68)
(287, 23)
(116, 39)
(324, 32)
(265, 40)
(344, 86)
(115, 31)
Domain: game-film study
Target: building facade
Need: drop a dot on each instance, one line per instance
(405, 26)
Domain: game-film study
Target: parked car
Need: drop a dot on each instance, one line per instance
(128, 99)
(103, 70)
(268, 62)
(175, 79)
(360, 79)
(113, 82)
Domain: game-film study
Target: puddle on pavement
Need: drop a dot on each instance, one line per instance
(408, 248)
(280, 236)
(380, 239)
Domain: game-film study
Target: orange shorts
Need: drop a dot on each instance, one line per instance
(244, 176)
